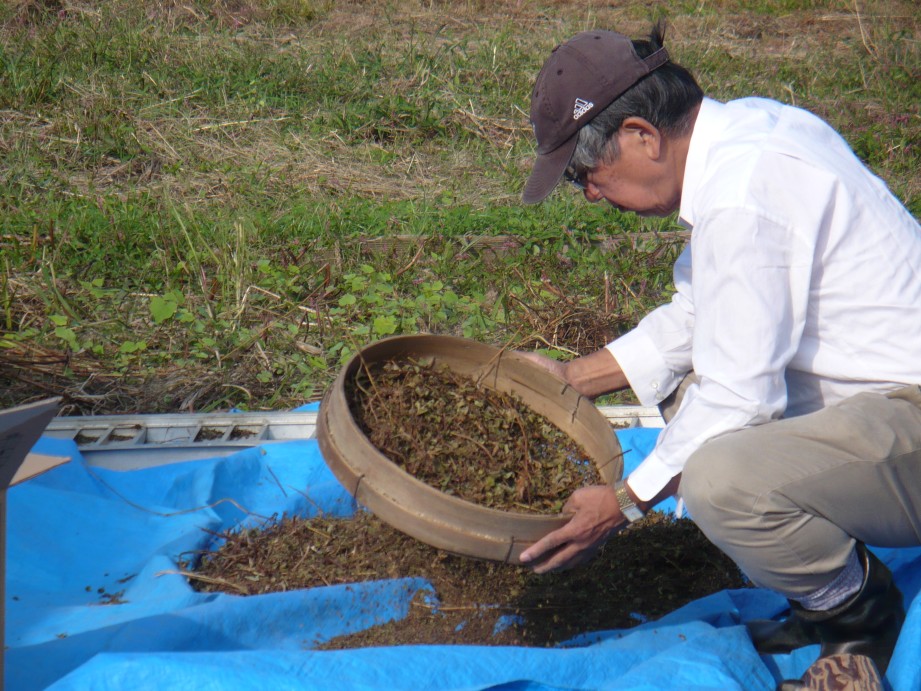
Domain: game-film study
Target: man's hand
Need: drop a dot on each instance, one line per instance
(596, 516)
(553, 366)
(591, 375)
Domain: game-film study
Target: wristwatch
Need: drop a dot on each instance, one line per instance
(631, 511)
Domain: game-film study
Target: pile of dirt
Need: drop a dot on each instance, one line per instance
(653, 567)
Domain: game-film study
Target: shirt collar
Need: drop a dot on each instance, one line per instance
(707, 126)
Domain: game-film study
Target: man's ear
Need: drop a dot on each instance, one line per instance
(640, 132)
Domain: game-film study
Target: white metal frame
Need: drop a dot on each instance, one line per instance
(128, 442)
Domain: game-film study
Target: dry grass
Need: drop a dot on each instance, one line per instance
(174, 150)
(198, 141)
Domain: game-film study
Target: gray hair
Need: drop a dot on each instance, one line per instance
(665, 98)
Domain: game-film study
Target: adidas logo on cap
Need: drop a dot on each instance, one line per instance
(581, 108)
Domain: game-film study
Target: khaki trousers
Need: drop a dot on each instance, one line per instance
(786, 500)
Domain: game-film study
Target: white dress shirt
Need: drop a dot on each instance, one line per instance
(801, 284)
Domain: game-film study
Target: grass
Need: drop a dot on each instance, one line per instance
(213, 204)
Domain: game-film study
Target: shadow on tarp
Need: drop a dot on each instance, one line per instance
(94, 600)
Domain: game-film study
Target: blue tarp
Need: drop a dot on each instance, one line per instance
(94, 600)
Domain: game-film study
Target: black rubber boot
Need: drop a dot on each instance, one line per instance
(771, 636)
(867, 624)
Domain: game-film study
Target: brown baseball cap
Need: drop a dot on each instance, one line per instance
(581, 78)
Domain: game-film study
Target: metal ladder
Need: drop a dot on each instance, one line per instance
(128, 442)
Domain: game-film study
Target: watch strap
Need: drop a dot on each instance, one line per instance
(631, 511)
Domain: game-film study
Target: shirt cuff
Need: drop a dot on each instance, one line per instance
(650, 476)
(649, 376)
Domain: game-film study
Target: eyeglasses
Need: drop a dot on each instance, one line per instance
(579, 180)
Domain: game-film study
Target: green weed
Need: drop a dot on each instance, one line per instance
(208, 205)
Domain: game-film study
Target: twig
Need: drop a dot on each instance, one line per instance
(412, 261)
(474, 441)
(473, 608)
(871, 50)
(538, 337)
(489, 366)
(249, 395)
(171, 513)
(235, 123)
(610, 461)
(167, 102)
(523, 484)
(275, 477)
(204, 579)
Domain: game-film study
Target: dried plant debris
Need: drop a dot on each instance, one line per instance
(644, 572)
(465, 439)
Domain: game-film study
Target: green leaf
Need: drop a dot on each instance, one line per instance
(162, 309)
(384, 326)
(67, 335)
(133, 347)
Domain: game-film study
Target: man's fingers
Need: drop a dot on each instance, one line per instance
(549, 364)
(550, 560)
(551, 541)
(579, 538)
(548, 542)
